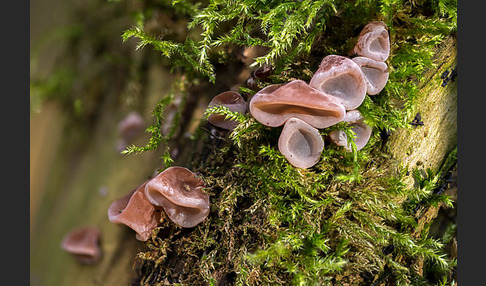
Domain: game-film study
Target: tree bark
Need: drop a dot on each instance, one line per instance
(73, 181)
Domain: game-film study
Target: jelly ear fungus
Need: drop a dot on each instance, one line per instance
(275, 104)
(180, 193)
(300, 143)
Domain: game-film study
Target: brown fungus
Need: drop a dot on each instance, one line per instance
(373, 42)
(275, 104)
(180, 193)
(131, 126)
(234, 102)
(356, 122)
(135, 211)
(375, 73)
(342, 78)
(83, 243)
(300, 143)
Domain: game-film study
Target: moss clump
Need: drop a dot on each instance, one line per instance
(347, 221)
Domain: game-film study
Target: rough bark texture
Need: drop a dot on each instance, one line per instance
(74, 179)
(427, 145)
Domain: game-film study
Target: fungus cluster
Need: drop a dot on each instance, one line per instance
(334, 93)
(176, 190)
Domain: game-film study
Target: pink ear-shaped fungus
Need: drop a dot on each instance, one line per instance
(180, 193)
(342, 78)
(135, 211)
(234, 102)
(83, 243)
(300, 143)
(275, 104)
(356, 122)
(373, 42)
(375, 73)
(131, 126)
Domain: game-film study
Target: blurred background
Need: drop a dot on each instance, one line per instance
(84, 80)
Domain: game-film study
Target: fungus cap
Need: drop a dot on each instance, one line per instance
(342, 78)
(180, 193)
(275, 104)
(234, 102)
(83, 243)
(375, 73)
(300, 143)
(135, 211)
(373, 42)
(356, 122)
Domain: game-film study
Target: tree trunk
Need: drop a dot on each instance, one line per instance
(77, 173)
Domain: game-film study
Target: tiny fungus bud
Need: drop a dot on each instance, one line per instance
(234, 102)
(342, 78)
(300, 143)
(83, 243)
(356, 122)
(373, 42)
(375, 73)
(275, 104)
(180, 193)
(135, 211)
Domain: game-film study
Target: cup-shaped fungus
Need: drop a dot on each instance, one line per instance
(342, 78)
(373, 42)
(234, 102)
(375, 73)
(275, 104)
(356, 122)
(135, 211)
(300, 143)
(180, 193)
(83, 243)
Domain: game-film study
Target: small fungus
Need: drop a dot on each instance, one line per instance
(356, 122)
(274, 105)
(342, 78)
(373, 42)
(234, 102)
(300, 143)
(83, 243)
(375, 74)
(135, 211)
(180, 193)
(131, 126)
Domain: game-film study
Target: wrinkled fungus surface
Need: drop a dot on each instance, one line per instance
(300, 143)
(342, 78)
(373, 42)
(135, 211)
(274, 105)
(83, 243)
(180, 193)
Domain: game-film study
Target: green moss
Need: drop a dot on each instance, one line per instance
(347, 220)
